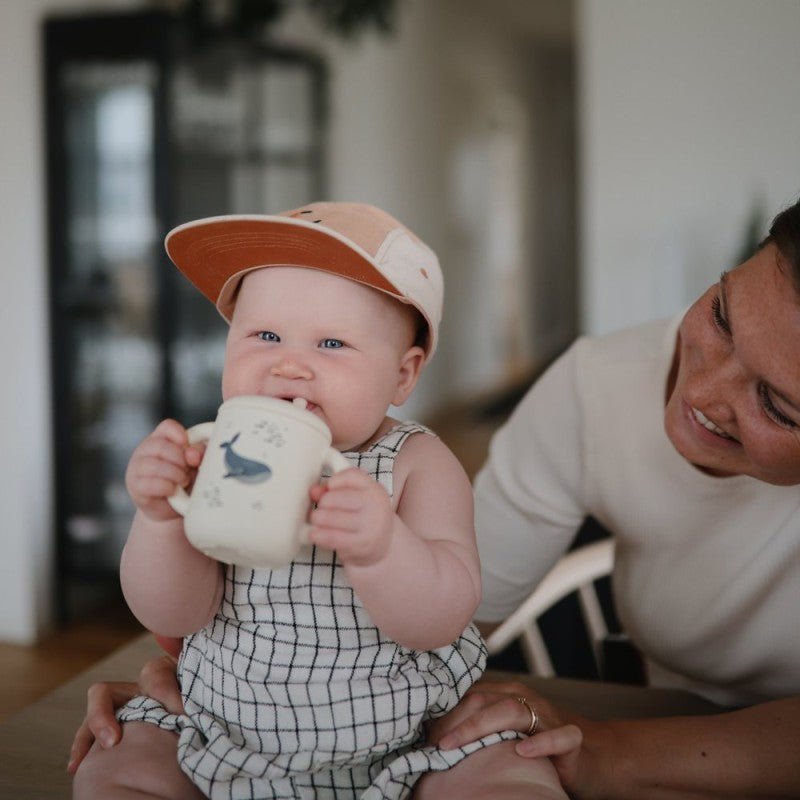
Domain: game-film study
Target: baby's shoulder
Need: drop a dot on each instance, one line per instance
(424, 456)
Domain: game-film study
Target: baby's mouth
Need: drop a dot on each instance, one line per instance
(300, 402)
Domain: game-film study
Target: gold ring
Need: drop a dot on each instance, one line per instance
(534, 716)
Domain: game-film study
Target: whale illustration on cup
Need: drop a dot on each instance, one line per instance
(243, 469)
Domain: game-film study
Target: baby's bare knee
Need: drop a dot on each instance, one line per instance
(95, 775)
(143, 764)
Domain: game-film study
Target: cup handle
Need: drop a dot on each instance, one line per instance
(197, 433)
(335, 462)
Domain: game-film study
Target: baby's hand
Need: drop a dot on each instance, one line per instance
(159, 465)
(354, 516)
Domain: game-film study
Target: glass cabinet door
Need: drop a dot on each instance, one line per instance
(148, 128)
(246, 139)
(106, 299)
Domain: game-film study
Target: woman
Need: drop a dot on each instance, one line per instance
(684, 439)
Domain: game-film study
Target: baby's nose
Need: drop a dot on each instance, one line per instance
(291, 368)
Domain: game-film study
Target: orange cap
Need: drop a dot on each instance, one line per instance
(353, 240)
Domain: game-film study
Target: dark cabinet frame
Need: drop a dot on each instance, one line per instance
(161, 39)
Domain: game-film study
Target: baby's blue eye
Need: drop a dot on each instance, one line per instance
(268, 336)
(332, 344)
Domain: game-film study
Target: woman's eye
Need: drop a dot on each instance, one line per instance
(717, 316)
(771, 410)
(268, 336)
(331, 344)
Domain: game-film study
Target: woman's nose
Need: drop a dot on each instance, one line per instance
(722, 412)
(291, 368)
(720, 391)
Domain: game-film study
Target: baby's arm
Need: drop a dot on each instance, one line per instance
(172, 588)
(414, 566)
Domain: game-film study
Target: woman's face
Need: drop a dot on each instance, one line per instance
(733, 399)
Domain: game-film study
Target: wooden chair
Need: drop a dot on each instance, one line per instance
(575, 572)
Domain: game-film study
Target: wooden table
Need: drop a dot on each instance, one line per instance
(34, 744)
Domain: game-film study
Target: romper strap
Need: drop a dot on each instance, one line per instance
(378, 460)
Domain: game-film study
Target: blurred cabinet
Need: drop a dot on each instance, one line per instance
(148, 126)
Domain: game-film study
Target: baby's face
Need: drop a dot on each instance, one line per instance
(344, 348)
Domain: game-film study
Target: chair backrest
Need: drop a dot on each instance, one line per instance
(575, 572)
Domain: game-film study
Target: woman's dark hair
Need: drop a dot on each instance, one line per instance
(784, 233)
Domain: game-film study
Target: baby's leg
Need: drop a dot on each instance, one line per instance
(144, 764)
(494, 773)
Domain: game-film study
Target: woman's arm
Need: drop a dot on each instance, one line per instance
(749, 753)
(529, 496)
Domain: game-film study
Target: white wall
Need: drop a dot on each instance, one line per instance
(416, 123)
(26, 505)
(24, 431)
(689, 115)
(387, 123)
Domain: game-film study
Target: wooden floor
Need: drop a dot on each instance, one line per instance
(28, 673)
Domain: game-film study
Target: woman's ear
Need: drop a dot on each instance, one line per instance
(408, 374)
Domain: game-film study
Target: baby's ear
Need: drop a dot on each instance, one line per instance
(408, 374)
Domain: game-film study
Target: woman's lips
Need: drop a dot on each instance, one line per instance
(707, 428)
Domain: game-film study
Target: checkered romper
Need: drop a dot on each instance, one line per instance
(292, 692)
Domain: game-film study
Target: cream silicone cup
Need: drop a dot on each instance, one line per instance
(250, 500)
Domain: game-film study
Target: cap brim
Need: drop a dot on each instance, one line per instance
(212, 252)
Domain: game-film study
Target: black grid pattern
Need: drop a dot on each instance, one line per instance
(293, 692)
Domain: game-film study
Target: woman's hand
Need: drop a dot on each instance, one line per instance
(157, 679)
(492, 707)
(750, 752)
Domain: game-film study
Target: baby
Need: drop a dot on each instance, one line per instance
(312, 680)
